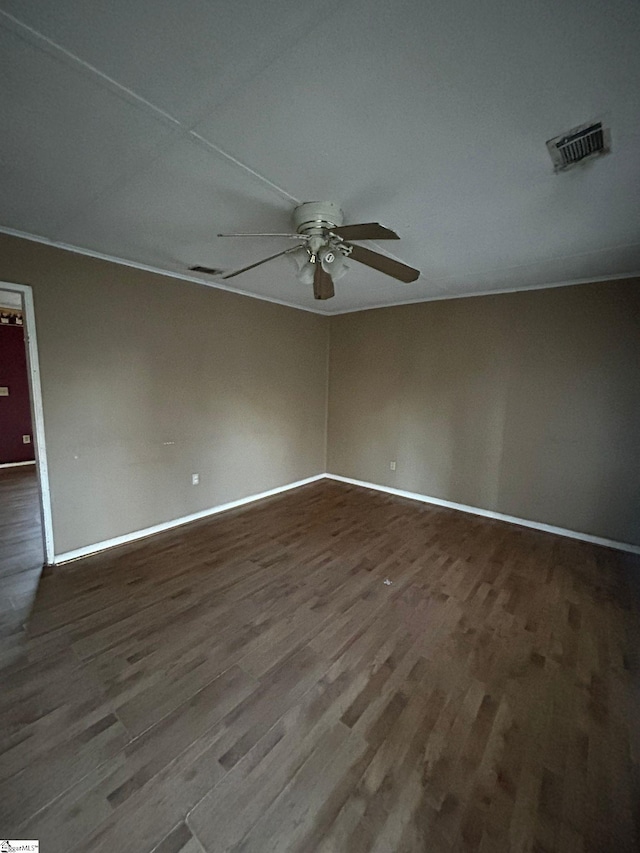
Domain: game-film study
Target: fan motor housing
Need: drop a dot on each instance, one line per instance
(315, 217)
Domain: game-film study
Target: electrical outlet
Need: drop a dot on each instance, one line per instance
(26, 439)
(195, 479)
(392, 465)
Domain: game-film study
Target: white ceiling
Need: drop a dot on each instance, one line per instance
(139, 129)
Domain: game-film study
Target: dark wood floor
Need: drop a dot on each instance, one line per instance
(251, 683)
(21, 551)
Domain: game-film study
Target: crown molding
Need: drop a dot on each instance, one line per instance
(102, 256)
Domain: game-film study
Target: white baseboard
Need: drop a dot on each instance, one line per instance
(17, 464)
(68, 556)
(487, 513)
(177, 522)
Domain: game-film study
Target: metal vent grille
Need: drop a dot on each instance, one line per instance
(208, 270)
(586, 141)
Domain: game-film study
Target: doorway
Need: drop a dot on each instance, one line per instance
(25, 511)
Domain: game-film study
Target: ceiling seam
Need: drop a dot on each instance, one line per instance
(113, 84)
(186, 130)
(235, 161)
(303, 30)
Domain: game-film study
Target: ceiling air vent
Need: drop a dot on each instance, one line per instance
(208, 270)
(578, 144)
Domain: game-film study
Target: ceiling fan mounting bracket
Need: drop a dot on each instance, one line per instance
(315, 218)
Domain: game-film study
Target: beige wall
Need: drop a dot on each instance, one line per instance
(526, 404)
(130, 360)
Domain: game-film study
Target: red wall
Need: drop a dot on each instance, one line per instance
(15, 411)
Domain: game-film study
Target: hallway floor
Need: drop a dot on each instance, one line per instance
(21, 551)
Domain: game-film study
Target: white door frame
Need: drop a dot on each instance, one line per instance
(37, 414)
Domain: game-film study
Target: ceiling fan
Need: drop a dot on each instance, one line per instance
(323, 244)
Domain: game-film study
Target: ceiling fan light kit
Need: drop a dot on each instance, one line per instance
(324, 244)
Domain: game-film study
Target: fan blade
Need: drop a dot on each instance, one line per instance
(322, 283)
(365, 231)
(384, 264)
(268, 234)
(259, 263)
